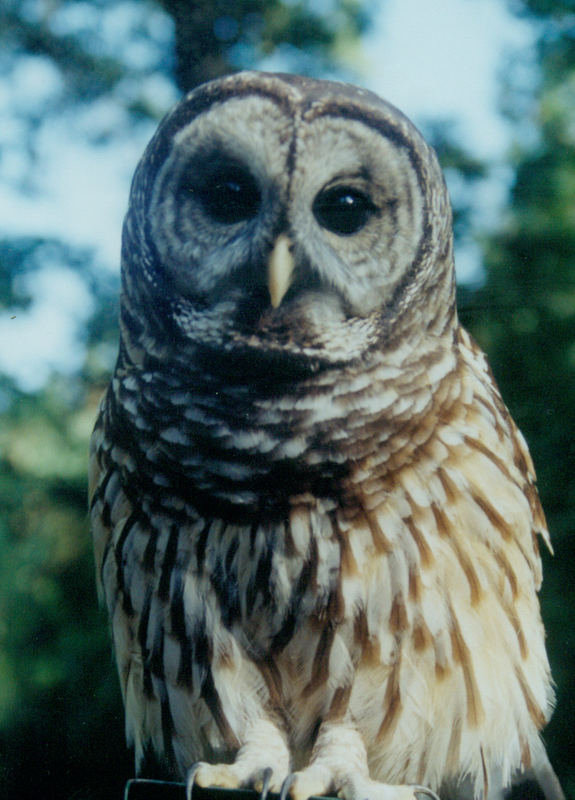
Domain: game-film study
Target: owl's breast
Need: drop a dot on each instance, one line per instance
(246, 448)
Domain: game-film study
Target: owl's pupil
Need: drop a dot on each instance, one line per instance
(230, 196)
(343, 210)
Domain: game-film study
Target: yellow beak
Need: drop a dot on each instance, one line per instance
(280, 269)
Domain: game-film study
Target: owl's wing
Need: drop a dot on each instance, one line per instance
(96, 476)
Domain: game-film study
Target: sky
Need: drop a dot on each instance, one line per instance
(432, 59)
(443, 58)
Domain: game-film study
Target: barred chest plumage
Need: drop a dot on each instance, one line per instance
(241, 446)
(255, 474)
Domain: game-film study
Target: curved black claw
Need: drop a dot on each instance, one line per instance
(286, 786)
(417, 790)
(190, 777)
(266, 779)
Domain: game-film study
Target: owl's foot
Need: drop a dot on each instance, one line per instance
(339, 765)
(234, 776)
(317, 780)
(264, 745)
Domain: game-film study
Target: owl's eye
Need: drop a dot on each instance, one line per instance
(343, 210)
(230, 195)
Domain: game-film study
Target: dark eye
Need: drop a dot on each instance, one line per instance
(343, 210)
(230, 195)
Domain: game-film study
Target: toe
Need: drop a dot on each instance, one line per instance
(314, 781)
(359, 787)
(221, 775)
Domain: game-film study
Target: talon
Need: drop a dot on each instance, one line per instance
(424, 790)
(266, 778)
(286, 786)
(190, 777)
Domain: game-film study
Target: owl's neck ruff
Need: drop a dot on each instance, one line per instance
(243, 439)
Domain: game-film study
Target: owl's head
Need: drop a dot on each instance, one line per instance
(273, 215)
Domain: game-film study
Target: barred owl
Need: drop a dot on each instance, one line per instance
(315, 523)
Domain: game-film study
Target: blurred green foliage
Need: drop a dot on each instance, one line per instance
(61, 717)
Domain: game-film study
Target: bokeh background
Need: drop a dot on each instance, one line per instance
(83, 84)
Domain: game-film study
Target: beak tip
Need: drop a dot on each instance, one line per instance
(280, 270)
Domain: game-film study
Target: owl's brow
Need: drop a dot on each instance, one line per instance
(378, 122)
(363, 174)
(201, 101)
